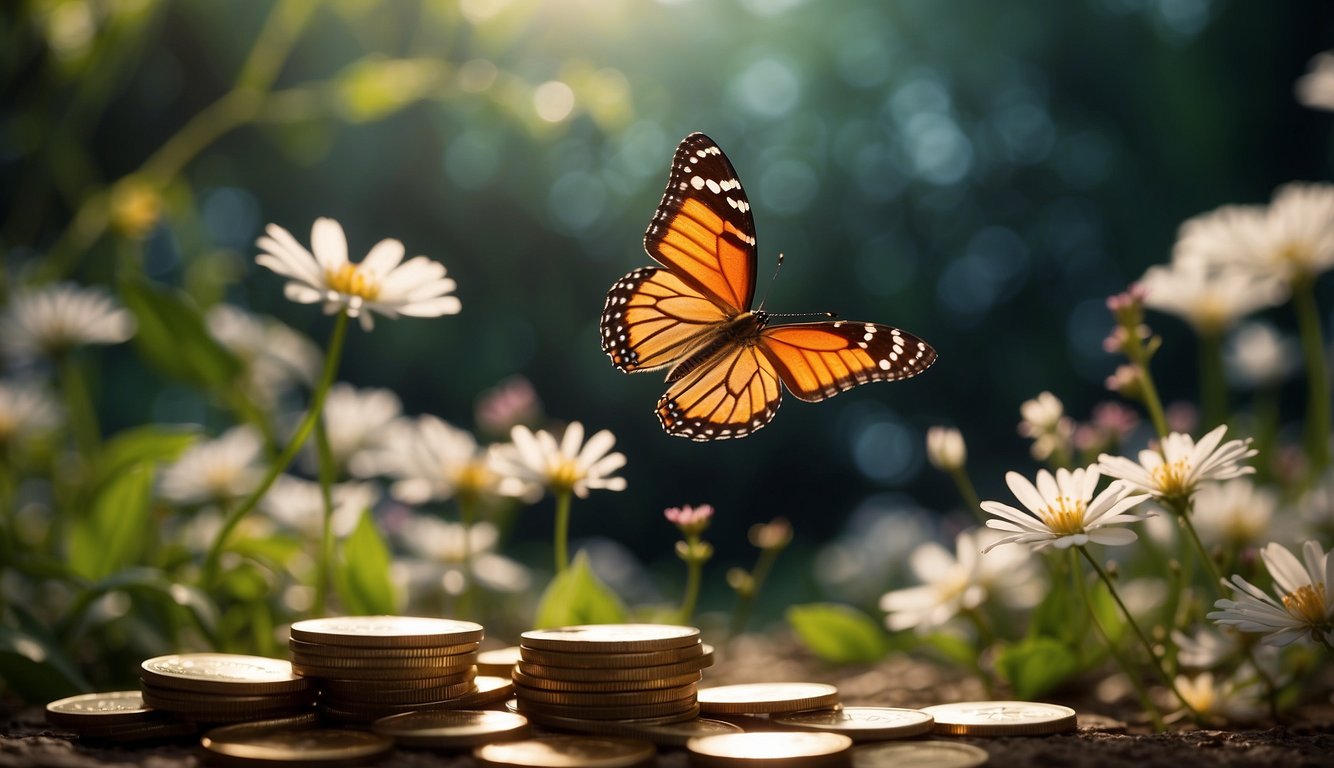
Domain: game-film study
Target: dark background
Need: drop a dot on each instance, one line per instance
(980, 174)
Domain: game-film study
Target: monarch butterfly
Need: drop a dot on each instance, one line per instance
(693, 314)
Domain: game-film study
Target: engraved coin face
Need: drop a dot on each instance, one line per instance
(386, 631)
(752, 748)
(615, 638)
(919, 754)
(861, 723)
(754, 698)
(567, 752)
(452, 727)
(309, 746)
(99, 708)
(1001, 718)
(222, 673)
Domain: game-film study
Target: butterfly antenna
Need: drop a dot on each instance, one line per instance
(777, 269)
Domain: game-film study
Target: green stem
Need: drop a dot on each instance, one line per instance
(336, 339)
(562, 531)
(968, 493)
(1213, 384)
(1127, 669)
(1143, 638)
(1152, 403)
(467, 518)
(82, 415)
(324, 563)
(1317, 374)
(694, 576)
(763, 565)
(1182, 510)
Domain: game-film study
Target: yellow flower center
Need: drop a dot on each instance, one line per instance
(473, 479)
(1170, 477)
(563, 475)
(1066, 516)
(1294, 254)
(1308, 603)
(350, 280)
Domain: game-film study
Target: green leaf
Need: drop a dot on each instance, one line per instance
(172, 335)
(35, 668)
(578, 597)
(1036, 665)
(154, 584)
(362, 575)
(838, 633)
(153, 443)
(113, 533)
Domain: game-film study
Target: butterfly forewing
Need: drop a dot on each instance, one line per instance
(703, 230)
(819, 360)
(652, 318)
(734, 394)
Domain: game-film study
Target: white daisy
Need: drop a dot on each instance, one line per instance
(1315, 89)
(1235, 512)
(1063, 512)
(1232, 234)
(1044, 420)
(434, 461)
(961, 581)
(299, 505)
(357, 423)
(47, 321)
(1211, 299)
(1235, 699)
(534, 462)
(275, 356)
(945, 448)
(1293, 238)
(1173, 473)
(1304, 607)
(382, 282)
(226, 467)
(1206, 649)
(1258, 355)
(442, 550)
(26, 410)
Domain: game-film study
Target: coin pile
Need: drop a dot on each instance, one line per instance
(369, 667)
(223, 687)
(115, 716)
(621, 673)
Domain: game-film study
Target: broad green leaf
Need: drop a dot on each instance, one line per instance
(152, 443)
(374, 87)
(172, 336)
(837, 633)
(1036, 665)
(113, 533)
(578, 597)
(362, 575)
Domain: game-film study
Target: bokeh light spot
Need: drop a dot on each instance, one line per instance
(768, 88)
(788, 186)
(553, 100)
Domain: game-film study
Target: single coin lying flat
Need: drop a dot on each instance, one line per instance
(1002, 718)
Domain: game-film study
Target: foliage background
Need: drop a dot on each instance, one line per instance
(982, 174)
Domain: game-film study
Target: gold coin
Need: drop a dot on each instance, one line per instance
(861, 723)
(452, 728)
(490, 690)
(567, 752)
(613, 660)
(621, 686)
(169, 699)
(670, 731)
(440, 674)
(416, 696)
(222, 673)
(455, 661)
(611, 638)
(386, 631)
(498, 661)
(577, 674)
(111, 708)
(261, 745)
(755, 698)
(638, 711)
(774, 748)
(919, 754)
(301, 648)
(1002, 718)
(340, 683)
(567, 698)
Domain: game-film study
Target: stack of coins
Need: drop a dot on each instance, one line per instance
(115, 716)
(643, 673)
(224, 687)
(369, 667)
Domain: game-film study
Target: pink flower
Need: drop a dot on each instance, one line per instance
(691, 520)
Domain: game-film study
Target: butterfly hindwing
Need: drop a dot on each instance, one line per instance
(735, 393)
(819, 360)
(652, 318)
(703, 230)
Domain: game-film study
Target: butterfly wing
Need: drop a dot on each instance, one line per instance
(703, 230)
(818, 360)
(653, 318)
(731, 395)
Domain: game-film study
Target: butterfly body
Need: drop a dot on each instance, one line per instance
(727, 366)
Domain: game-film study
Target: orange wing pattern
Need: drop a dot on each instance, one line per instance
(653, 318)
(694, 315)
(734, 394)
(819, 360)
(703, 230)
